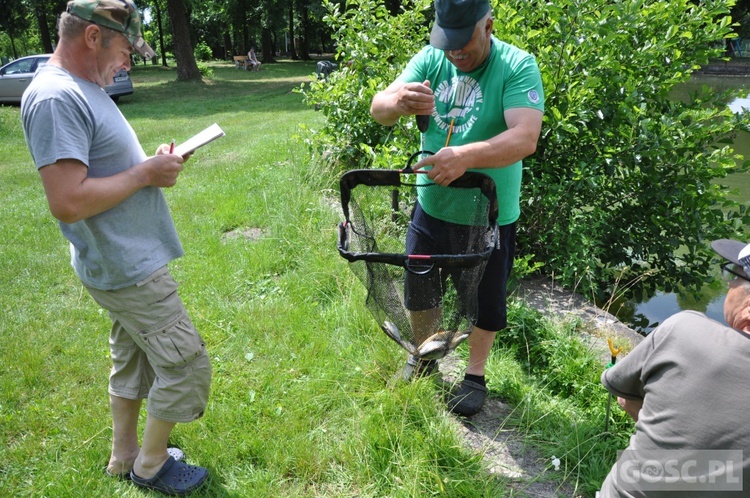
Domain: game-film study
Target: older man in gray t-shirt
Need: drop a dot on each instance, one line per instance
(106, 194)
(75, 120)
(687, 386)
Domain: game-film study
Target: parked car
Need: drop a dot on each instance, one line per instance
(122, 85)
(16, 76)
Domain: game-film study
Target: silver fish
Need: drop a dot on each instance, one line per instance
(391, 331)
(440, 344)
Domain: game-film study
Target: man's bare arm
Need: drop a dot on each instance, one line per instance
(73, 196)
(514, 144)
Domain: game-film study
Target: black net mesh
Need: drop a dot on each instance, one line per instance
(425, 299)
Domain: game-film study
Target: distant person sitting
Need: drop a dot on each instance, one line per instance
(323, 69)
(254, 62)
(685, 385)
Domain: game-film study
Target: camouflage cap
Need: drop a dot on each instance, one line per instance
(119, 15)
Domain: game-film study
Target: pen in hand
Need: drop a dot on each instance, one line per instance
(171, 147)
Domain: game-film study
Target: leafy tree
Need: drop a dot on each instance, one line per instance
(13, 21)
(273, 18)
(741, 16)
(305, 34)
(208, 24)
(623, 188)
(158, 42)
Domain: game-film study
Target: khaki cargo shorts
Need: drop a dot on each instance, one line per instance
(156, 351)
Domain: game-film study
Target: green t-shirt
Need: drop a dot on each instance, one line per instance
(475, 102)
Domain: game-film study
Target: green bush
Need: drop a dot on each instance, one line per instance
(373, 48)
(202, 52)
(622, 189)
(549, 372)
(205, 70)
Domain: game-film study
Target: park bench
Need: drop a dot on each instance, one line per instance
(242, 61)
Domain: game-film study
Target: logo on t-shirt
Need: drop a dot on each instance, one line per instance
(463, 98)
(533, 96)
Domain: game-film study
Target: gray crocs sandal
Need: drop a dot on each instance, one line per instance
(174, 478)
(467, 398)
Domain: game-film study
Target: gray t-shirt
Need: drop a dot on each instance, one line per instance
(66, 117)
(693, 374)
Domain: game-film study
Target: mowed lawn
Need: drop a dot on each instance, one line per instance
(301, 403)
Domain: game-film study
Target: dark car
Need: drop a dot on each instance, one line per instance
(16, 76)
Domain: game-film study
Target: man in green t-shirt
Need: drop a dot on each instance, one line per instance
(484, 101)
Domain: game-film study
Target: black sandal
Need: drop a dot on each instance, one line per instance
(467, 398)
(174, 478)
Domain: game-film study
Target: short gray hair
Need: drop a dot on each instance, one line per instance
(744, 284)
(71, 26)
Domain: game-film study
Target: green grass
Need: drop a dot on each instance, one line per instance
(300, 403)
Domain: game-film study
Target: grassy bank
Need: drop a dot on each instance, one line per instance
(300, 403)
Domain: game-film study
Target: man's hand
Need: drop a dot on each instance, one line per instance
(162, 169)
(402, 99)
(415, 98)
(631, 406)
(447, 165)
(164, 149)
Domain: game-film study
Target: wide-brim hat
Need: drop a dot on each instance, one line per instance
(455, 21)
(119, 15)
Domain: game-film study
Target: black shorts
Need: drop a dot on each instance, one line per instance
(428, 235)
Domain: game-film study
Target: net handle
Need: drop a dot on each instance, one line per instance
(403, 260)
(392, 178)
(408, 267)
(411, 159)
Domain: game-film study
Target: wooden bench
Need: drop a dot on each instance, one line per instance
(242, 61)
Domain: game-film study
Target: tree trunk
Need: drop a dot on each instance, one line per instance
(13, 46)
(228, 52)
(304, 21)
(161, 35)
(245, 48)
(41, 19)
(187, 69)
(293, 51)
(267, 46)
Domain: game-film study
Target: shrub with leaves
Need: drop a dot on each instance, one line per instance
(202, 52)
(623, 188)
(373, 48)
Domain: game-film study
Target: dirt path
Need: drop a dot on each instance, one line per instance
(499, 443)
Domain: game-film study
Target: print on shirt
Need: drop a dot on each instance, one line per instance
(462, 98)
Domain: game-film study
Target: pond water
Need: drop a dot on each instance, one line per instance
(644, 316)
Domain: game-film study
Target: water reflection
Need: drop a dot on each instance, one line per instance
(740, 105)
(646, 315)
(649, 314)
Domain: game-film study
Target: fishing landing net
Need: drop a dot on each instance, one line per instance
(426, 301)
